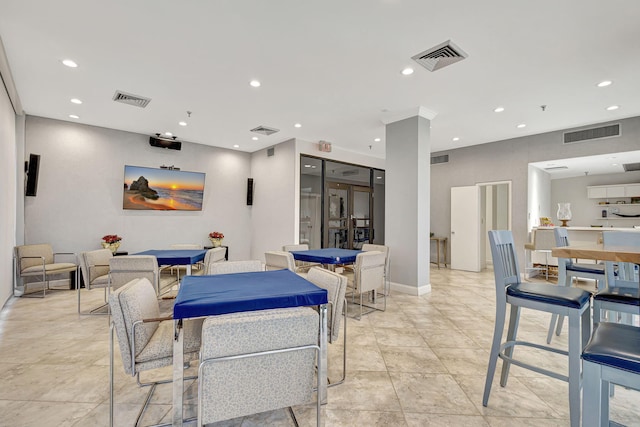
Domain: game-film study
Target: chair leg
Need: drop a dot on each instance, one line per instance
(498, 328)
(514, 319)
(576, 344)
(344, 346)
(595, 405)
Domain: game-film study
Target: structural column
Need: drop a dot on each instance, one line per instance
(407, 193)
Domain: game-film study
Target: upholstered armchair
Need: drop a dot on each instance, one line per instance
(144, 337)
(257, 361)
(94, 266)
(236, 267)
(279, 260)
(212, 256)
(368, 277)
(40, 262)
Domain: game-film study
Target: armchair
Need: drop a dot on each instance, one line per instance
(94, 266)
(39, 261)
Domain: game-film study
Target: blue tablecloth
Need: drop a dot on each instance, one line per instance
(200, 296)
(327, 256)
(176, 256)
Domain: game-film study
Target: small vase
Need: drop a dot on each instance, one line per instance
(215, 242)
(112, 246)
(564, 213)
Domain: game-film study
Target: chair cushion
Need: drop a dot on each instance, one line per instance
(550, 294)
(620, 295)
(60, 267)
(615, 345)
(586, 268)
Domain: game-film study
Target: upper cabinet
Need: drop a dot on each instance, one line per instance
(632, 190)
(606, 191)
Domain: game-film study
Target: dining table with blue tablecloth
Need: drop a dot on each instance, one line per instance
(201, 296)
(186, 257)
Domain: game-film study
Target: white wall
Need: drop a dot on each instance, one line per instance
(8, 176)
(539, 197)
(80, 188)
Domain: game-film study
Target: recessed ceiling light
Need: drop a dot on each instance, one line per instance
(498, 109)
(297, 125)
(76, 101)
(307, 166)
(182, 123)
(168, 134)
(613, 107)
(455, 138)
(254, 83)
(69, 63)
(521, 125)
(614, 164)
(378, 177)
(255, 138)
(73, 116)
(604, 83)
(376, 140)
(407, 71)
(313, 166)
(236, 146)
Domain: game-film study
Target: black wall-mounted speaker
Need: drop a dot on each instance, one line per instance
(249, 191)
(165, 143)
(33, 168)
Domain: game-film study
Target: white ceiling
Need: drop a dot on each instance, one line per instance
(333, 66)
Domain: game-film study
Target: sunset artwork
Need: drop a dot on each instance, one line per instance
(162, 189)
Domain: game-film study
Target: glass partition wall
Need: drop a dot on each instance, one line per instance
(341, 204)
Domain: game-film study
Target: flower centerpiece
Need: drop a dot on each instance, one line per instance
(216, 238)
(111, 241)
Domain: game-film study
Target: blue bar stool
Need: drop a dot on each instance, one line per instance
(611, 357)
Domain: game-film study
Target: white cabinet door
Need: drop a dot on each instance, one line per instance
(597, 192)
(615, 191)
(632, 190)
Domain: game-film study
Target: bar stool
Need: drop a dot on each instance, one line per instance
(611, 357)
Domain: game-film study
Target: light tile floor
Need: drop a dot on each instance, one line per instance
(420, 363)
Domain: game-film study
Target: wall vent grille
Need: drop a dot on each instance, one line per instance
(609, 131)
(631, 167)
(128, 98)
(440, 159)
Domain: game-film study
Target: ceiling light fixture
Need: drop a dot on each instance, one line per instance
(254, 83)
(255, 138)
(70, 63)
(613, 107)
(407, 71)
(521, 125)
(182, 123)
(376, 140)
(498, 110)
(168, 134)
(73, 116)
(76, 101)
(297, 125)
(307, 166)
(236, 146)
(604, 83)
(455, 138)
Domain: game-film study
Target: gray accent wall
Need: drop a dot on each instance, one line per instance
(508, 161)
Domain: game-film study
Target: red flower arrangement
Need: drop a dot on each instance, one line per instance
(216, 235)
(111, 238)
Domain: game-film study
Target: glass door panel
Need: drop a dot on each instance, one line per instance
(360, 217)
(337, 227)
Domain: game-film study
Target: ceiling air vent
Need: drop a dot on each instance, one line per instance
(264, 130)
(128, 98)
(440, 159)
(590, 134)
(631, 167)
(440, 56)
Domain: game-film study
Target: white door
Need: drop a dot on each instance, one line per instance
(465, 228)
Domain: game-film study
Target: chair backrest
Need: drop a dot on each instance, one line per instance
(212, 256)
(235, 267)
(505, 262)
(186, 246)
(134, 301)
(336, 286)
(279, 260)
(368, 247)
(562, 239)
(243, 386)
(40, 250)
(300, 247)
(94, 264)
(123, 269)
(369, 271)
(626, 274)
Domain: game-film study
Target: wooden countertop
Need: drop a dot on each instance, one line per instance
(598, 252)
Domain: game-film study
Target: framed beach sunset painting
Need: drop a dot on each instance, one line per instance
(162, 189)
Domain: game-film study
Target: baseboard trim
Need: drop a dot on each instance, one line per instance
(411, 290)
